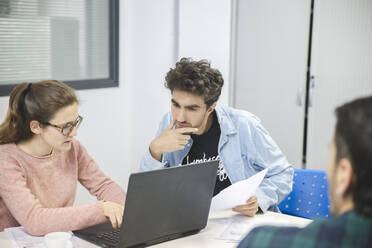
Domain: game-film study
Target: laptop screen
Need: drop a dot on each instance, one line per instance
(167, 203)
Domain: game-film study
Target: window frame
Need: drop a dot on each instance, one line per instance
(113, 79)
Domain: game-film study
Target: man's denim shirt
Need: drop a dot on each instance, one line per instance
(245, 148)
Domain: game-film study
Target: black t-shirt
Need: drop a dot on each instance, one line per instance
(205, 148)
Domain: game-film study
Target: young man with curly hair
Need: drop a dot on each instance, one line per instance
(197, 130)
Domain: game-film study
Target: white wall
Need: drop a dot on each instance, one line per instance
(119, 123)
(341, 65)
(204, 33)
(270, 58)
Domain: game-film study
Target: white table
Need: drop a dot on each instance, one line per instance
(211, 235)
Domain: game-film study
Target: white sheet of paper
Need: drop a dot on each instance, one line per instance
(237, 193)
(22, 239)
(237, 227)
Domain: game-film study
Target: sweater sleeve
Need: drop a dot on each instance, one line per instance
(32, 215)
(95, 181)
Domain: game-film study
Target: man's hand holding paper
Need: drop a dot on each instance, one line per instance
(235, 196)
(250, 208)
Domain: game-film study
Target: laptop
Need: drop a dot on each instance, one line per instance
(161, 205)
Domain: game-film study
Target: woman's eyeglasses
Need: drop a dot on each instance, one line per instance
(67, 129)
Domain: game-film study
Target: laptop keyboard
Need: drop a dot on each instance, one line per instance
(112, 236)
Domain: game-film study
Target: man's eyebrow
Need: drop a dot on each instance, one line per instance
(192, 106)
(173, 101)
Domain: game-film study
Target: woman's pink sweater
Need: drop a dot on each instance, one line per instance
(38, 192)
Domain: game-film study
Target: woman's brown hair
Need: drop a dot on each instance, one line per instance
(37, 101)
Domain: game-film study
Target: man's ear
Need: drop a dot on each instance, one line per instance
(212, 107)
(344, 177)
(35, 127)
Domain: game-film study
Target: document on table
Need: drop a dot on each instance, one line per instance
(22, 239)
(238, 193)
(237, 227)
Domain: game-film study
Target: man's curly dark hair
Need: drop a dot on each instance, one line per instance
(196, 77)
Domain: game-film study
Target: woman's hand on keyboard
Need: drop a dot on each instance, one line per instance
(114, 212)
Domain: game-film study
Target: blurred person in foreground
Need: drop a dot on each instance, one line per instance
(350, 186)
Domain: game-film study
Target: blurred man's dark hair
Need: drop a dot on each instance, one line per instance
(353, 139)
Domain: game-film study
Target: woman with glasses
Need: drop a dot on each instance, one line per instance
(41, 163)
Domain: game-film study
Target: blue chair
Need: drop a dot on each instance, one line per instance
(309, 196)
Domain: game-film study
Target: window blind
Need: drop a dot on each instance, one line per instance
(53, 39)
